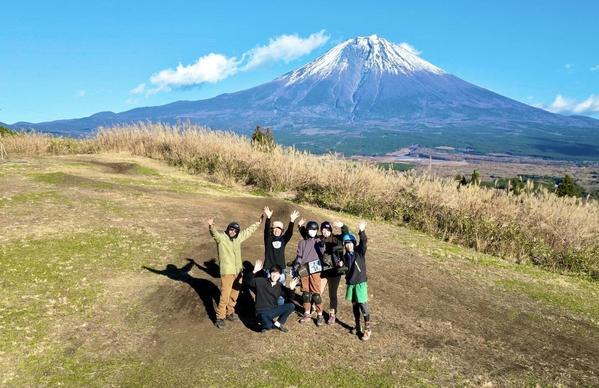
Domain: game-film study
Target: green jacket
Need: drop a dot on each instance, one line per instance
(229, 250)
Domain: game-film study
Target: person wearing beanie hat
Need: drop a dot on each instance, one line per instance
(229, 257)
(275, 241)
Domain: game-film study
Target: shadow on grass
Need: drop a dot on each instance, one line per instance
(207, 291)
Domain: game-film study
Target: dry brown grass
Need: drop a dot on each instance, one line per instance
(559, 233)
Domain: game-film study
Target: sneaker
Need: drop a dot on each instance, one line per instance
(283, 329)
(232, 317)
(320, 320)
(331, 320)
(220, 323)
(366, 335)
(306, 318)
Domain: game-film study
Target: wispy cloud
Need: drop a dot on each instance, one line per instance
(81, 93)
(594, 68)
(408, 47)
(566, 105)
(213, 68)
(284, 48)
(568, 66)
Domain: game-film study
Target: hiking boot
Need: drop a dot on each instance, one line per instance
(232, 317)
(306, 318)
(220, 323)
(331, 320)
(319, 320)
(283, 329)
(366, 335)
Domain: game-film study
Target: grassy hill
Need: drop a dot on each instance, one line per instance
(92, 254)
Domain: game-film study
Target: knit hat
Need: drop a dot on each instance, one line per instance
(277, 224)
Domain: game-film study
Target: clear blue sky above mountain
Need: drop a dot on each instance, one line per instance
(69, 59)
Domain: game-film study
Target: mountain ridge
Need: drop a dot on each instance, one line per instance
(370, 87)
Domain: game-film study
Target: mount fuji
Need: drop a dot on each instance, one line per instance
(370, 96)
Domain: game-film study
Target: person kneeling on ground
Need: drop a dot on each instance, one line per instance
(229, 258)
(268, 290)
(357, 288)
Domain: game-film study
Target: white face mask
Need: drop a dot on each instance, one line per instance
(312, 233)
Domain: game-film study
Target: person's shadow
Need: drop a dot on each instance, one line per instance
(206, 290)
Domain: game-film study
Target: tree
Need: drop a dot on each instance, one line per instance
(568, 187)
(6, 131)
(263, 139)
(475, 178)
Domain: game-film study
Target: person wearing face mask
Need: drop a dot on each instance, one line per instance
(229, 257)
(333, 266)
(275, 241)
(356, 279)
(269, 312)
(308, 264)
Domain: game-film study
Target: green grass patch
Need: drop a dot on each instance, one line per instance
(396, 166)
(48, 278)
(63, 179)
(579, 300)
(30, 198)
(143, 170)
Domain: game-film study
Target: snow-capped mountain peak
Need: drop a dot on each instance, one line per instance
(364, 53)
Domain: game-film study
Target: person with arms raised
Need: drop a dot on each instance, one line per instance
(229, 257)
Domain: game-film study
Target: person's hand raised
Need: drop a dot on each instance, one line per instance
(293, 216)
(267, 212)
(211, 222)
(258, 265)
(293, 283)
(302, 222)
(338, 224)
(362, 226)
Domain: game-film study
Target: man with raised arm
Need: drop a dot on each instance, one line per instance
(229, 257)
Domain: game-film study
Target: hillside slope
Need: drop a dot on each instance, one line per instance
(92, 294)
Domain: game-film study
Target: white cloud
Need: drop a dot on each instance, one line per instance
(284, 48)
(81, 93)
(568, 66)
(213, 67)
(139, 89)
(210, 68)
(562, 104)
(595, 68)
(408, 47)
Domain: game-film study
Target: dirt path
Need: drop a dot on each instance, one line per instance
(440, 317)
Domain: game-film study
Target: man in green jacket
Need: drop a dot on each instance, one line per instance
(229, 257)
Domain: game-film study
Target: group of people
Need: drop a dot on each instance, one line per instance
(322, 259)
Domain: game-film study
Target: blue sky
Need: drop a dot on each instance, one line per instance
(66, 59)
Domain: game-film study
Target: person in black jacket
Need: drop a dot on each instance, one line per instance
(268, 290)
(275, 241)
(333, 267)
(356, 279)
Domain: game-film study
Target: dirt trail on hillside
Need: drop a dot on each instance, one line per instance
(449, 320)
(418, 307)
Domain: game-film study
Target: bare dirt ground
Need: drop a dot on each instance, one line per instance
(442, 314)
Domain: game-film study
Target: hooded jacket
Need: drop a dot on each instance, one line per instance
(229, 249)
(356, 262)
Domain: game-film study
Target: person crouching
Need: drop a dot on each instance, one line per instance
(268, 290)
